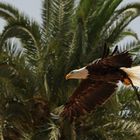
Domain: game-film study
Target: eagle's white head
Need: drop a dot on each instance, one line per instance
(78, 74)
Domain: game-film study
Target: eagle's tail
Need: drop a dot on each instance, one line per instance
(134, 74)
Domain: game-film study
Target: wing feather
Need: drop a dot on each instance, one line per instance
(114, 61)
(119, 60)
(86, 97)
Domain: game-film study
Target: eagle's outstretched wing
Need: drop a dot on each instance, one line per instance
(86, 97)
(110, 62)
(118, 60)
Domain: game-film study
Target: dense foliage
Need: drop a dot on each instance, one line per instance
(34, 59)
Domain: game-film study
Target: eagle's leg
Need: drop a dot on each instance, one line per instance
(135, 89)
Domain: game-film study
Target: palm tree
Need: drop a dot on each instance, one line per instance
(33, 65)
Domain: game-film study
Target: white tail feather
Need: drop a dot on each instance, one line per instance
(134, 74)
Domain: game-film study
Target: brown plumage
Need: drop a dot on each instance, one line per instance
(108, 69)
(98, 86)
(87, 96)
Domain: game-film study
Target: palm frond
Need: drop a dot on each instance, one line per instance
(15, 57)
(78, 47)
(58, 17)
(11, 75)
(131, 6)
(120, 25)
(8, 12)
(54, 131)
(46, 10)
(29, 34)
(132, 46)
(127, 33)
(84, 6)
(33, 71)
(59, 33)
(130, 32)
(20, 26)
(16, 28)
(96, 26)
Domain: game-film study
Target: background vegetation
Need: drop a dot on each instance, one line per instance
(34, 59)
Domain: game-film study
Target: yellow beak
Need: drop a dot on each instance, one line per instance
(68, 76)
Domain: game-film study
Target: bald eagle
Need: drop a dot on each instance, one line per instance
(99, 81)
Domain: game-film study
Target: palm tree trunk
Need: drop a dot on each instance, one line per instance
(68, 130)
(1, 135)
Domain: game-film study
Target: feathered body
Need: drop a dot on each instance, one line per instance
(99, 82)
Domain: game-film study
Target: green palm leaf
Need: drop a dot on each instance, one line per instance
(33, 68)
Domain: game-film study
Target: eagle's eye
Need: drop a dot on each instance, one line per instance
(72, 72)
